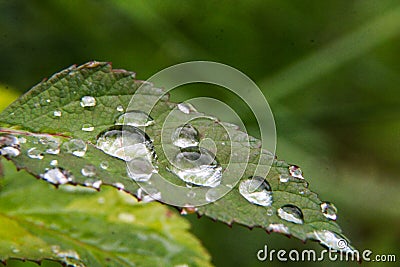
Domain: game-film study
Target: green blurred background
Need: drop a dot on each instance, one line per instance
(329, 69)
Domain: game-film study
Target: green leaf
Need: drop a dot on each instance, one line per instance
(295, 209)
(81, 227)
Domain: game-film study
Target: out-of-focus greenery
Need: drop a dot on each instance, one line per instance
(330, 70)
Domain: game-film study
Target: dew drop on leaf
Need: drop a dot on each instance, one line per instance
(295, 171)
(88, 101)
(51, 144)
(76, 147)
(57, 176)
(198, 166)
(329, 210)
(291, 213)
(284, 178)
(185, 136)
(125, 142)
(278, 228)
(35, 153)
(135, 118)
(332, 240)
(104, 165)
(87, 127)
(140, 169)
(120, 108)
(120, 186)
(57, 113)
(256, 190)
(9, 146)
(54, 162)
(213, 194)
(186, 108)
(88, 171)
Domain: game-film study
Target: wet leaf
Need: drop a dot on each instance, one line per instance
(84, 105)
(78, 226)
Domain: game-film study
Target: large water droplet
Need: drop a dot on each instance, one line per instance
(9, 146)
(197, 166)
(140, 169)
(126, 142)
(88, 101)
(291, 213)
(295, 171)
(185, 136)
(57, 176)
(135, 118)
(256, 190)
(76, 147)
(329, 210)
(87, 127)
(35, 153)
(88, 171)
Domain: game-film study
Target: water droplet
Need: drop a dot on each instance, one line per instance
(256, 190)
(9, 146)
(197, 166)
(149, 196)
(126, 217)
(135, 118)
(97, 184)
(104, 165)
(332, 240)
(278, 228)
(51, 144)
(87, 127)
(120, 108)
(120, 186)
(284, 178)
(329, 210)
(184, 107)
(270, 212)
(126, 142)
(185, 136)
(213, 194)
(295, 171)
(54, 162)
(88, 171)
(140, 169)
(35, 153)
(88, 101)
(76, 147)
(291, 213)
(48, 100)
(57, 113)
(57, 176)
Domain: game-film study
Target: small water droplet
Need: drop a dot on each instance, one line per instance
(270, 211)
(278, 228)
(76, 147)
(295, 171)
(9, 146)
(126, 142)
(135, 118)
(140, 169)
(87, 127)
(104, 165)
(256, 190)
(185, 136)
(88, 171)
(88, 101)
(329, 210)
(57, 176)
(54, 162)
(120, 186)
(198, 166)
(291, 213)
(48, 100)
(186, 108)
(57, 113)
(284, 178)
(35, 153)
(120, 108)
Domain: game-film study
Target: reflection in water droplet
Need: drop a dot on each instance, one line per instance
(35, 153)
(256, 190)
(104, 165)
(329, 210)
(57, 113)
(295, 171)
(185, 136)
(88, 171)
(126, 142)
(88, 101)
(87, 127)
(9, 146)
(278, 228)
(140, 169)
(135, 118)
(291, 213)
(57, 176)
(76, 147)
(197, 166)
